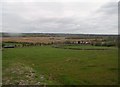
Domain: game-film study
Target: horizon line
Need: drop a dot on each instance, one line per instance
(60, 33)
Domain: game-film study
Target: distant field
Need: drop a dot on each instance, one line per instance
(34, 39)
(86, 47)
(41, 39)
(48, 65)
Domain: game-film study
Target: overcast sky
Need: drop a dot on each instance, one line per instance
(60, 16)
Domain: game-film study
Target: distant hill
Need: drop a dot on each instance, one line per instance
(52, 35)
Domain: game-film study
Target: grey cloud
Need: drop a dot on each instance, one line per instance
(105, 19)
(59, 18)
(109, 8)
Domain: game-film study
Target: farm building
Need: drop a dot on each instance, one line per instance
(9, 46)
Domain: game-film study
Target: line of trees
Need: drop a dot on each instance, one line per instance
(108, 44)
(27, 44)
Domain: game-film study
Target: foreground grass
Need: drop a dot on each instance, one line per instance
(62, 66)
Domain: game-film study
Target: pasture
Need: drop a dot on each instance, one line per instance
(54, 66)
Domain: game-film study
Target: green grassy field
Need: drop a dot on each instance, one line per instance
(54, 66)
(85, 47)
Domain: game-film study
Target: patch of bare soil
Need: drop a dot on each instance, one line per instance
(20, 74)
